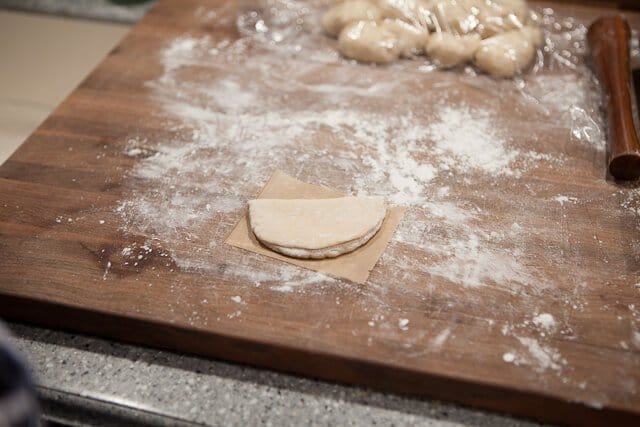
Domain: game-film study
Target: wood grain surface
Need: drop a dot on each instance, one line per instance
(74, 257)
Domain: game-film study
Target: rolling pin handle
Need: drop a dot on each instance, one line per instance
(609, 38)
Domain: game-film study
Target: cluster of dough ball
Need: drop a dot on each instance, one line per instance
(498, 36)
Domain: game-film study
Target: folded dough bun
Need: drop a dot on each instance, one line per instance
(316, 228)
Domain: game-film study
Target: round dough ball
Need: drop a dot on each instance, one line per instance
(498, 16)
(449, 50)
(534, 34)
(509, 53)
(368, 42)
(411, 39)
(455, 16)
(341, 14)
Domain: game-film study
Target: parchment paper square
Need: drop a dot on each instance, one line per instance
(354, 266)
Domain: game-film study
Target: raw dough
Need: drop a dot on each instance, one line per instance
(349, 11)
(455, 16)
(414, 12)
(510, 53)
(411, 39)
(367, 41)
(499, 16)
(316, 228)
(449, 50)
(534, 34)
(501, 36)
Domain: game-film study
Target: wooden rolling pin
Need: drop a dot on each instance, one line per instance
(609, 42)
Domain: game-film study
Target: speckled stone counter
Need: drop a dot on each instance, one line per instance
(83, 379)
(103, 10)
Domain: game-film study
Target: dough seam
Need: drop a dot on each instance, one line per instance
(329, 251)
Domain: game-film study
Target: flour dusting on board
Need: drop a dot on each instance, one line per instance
(234, 131)
(542, 357)
(470, 138)
(436, 143)
(545, 321)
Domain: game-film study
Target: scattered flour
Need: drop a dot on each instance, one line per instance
(440, 339)
(559, 94)
(545, 321)
(234, 131)
(234, 314)
(227, 130)
(564, 199)
(542, 357)
(133, 152)
(473, 262)
(472, 140)
(508, 357)
(403, 324)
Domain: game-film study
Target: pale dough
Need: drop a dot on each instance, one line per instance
(534, 34)
(455, 16)
(341, 14)
(411, 39)
(509, 53)
(414, 12)
(367, 41)
(316, 228)
(449, 50)
(501, 36)
(498, 16)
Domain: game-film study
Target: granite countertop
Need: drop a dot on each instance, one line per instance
(82, 379)
(103, 10)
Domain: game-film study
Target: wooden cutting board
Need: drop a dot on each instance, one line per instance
(512, 283)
